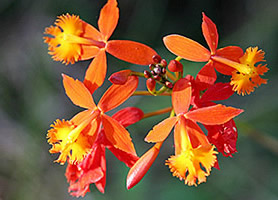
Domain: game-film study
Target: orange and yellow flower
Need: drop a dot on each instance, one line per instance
(192, 148)
(228, 60)
(73, 139)
(72, 39)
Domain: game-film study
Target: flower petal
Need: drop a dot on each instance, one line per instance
(130, 51)
(213, 115)
(117, 94)
(206, 77)
(128, 116)
(91, 32)
(224, 137)
(88, 52)
(188, 134)
(96, 72)
(125, 157)
(120, 77)
(78, 93)
(186, 48)
(217, 92)
(161, 131)
(141, 167)
(210, 33)
(232, 53)
(181, 96)
(108, 18)
(117, 135)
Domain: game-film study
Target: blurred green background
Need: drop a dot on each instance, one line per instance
(32, 97)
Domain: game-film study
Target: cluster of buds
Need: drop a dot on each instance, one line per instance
(81, 141)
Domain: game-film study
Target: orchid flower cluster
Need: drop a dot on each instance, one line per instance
(81, 141)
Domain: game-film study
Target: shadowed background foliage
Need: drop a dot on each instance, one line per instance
(32, 97)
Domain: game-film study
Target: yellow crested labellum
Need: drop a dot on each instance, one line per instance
(193, 165)
(246, 75)
(68, 140)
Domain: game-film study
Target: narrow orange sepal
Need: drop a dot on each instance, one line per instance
(117, 135)
(181, 96)
(108, 18)
(214, 115)
(78, 93)
(210, 33)
(96, 72)
(141, 167)
(117, 94)
(161, 131)
(130, 51)
(186, 48)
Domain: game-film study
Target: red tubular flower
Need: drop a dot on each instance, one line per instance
(228, 60)
(192, 147)
(72, 39)
(74, 138)
(92, 170)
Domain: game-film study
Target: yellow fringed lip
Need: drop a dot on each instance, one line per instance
(66, 39)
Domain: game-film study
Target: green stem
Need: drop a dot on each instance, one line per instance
(170, 76)
(158, 112)
(178, 58)
(137, 73)
(147, 93)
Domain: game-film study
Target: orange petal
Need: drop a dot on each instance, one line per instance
(196, 135)
(108, 18)
(129, 51)
(161, 131)
(210, 33)
(88, 52)
(117, 135)
(141, 167)
(214, 115)
(181, 96)
(96, 72)
(186, 48)
(80, 117)
(188, 134)
(206, 76)
(91, 32)
(78, 93)
(117, 94)
(232, 53)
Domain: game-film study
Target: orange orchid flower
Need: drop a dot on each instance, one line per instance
(192, 147)
(72, 39)
(92, 170)
(73, 139)
(228, 60)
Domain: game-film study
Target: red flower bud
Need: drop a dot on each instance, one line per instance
(175, 66)
(140, 168)
(120, 78)
(151, 84)
(163, 62)
(169, 84)
(156, 58)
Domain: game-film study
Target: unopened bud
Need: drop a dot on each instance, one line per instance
(151, 84)
(120, 78)
(157, 70)
(147, 74)
(157, 77)
(151, 66)
(156, 58)
(175, 66)
(163, 70)
(163, 62)
(169, 84)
